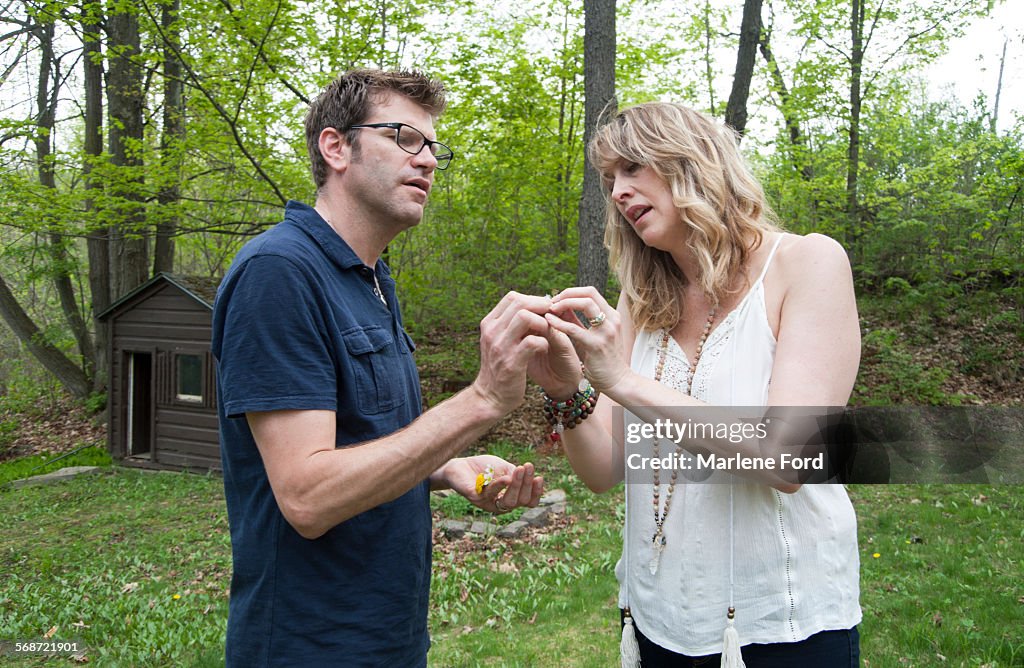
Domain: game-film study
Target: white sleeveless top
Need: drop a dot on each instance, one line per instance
(795, 560)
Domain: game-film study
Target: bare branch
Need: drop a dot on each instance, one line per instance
(262, 56)
(909, 39)
(259, 56)
(10, 68)
(874, 24)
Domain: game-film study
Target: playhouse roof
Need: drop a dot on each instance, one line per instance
(203, 289)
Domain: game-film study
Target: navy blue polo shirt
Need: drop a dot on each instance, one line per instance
(296, 325)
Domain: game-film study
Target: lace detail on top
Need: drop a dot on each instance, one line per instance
(677, 366)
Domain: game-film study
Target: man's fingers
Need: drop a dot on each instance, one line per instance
(524, 489)
(538, 490)
(585, 304)
(513, 302)
(515, 317)
(525, 485)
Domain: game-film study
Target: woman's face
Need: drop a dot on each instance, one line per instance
(644, 199)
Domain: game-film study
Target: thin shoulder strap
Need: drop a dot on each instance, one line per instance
(771, 255)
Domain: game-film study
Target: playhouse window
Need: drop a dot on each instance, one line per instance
(190, 378)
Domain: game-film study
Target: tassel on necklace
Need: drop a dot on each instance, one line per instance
(628, 648)
(731, 655)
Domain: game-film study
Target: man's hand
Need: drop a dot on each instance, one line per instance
(510, 487)
(512, 334)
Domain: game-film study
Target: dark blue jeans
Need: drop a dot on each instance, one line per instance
(828, 649)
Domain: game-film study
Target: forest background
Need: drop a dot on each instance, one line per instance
(159, 135)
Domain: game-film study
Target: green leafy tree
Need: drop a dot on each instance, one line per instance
(868, 44)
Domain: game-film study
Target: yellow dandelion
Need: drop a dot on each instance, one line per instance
(876, 555)
(484, 479)
(176, 597)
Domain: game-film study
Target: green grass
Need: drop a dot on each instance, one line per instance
(136, 566)
(549, 601)
(947, 581)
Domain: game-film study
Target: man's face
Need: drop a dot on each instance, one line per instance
(391, 183)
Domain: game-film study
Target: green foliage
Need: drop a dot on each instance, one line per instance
(938, 200)
(502, 217)
(96, 402)
(898, 377)
(938, 567)
(992, 351)
(28, 389)
(939, 195)
(453, 506)
(921, 303)
(8, 432)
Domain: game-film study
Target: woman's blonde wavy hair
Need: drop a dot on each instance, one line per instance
(718, 199)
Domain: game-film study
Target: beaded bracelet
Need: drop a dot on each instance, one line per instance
(562, 415)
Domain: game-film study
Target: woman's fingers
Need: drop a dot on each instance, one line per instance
(595, 312)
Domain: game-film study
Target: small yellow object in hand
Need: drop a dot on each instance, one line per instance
(484, 479)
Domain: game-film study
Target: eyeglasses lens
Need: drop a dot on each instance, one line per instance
(411, 140)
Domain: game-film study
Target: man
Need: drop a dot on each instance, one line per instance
(327, 460)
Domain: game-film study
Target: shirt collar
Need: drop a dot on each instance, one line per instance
(334, 246)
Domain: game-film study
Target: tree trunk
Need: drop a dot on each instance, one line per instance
(129, 243)
(173, 134)
(564, 138)
(66, 371)
(750, 30)
(709, 70)
(853, 149)
(61, 263)
(999, 86)
(98, 240)
(599, 92)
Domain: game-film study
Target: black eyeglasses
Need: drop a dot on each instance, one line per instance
(412, 141)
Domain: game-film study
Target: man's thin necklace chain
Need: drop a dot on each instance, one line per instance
(377, 291)
(376, 284)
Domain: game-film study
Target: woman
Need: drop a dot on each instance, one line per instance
(718, 308)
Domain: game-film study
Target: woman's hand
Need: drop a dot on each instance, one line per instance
(506, 487)
(599, 345)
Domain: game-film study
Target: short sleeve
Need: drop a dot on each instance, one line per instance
(270, 340)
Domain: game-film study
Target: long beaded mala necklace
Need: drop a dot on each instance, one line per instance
(658, 539)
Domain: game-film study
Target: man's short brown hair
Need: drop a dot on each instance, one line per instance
(348, 99)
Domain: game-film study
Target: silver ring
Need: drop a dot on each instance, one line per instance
(497, 504)
(597, 320)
